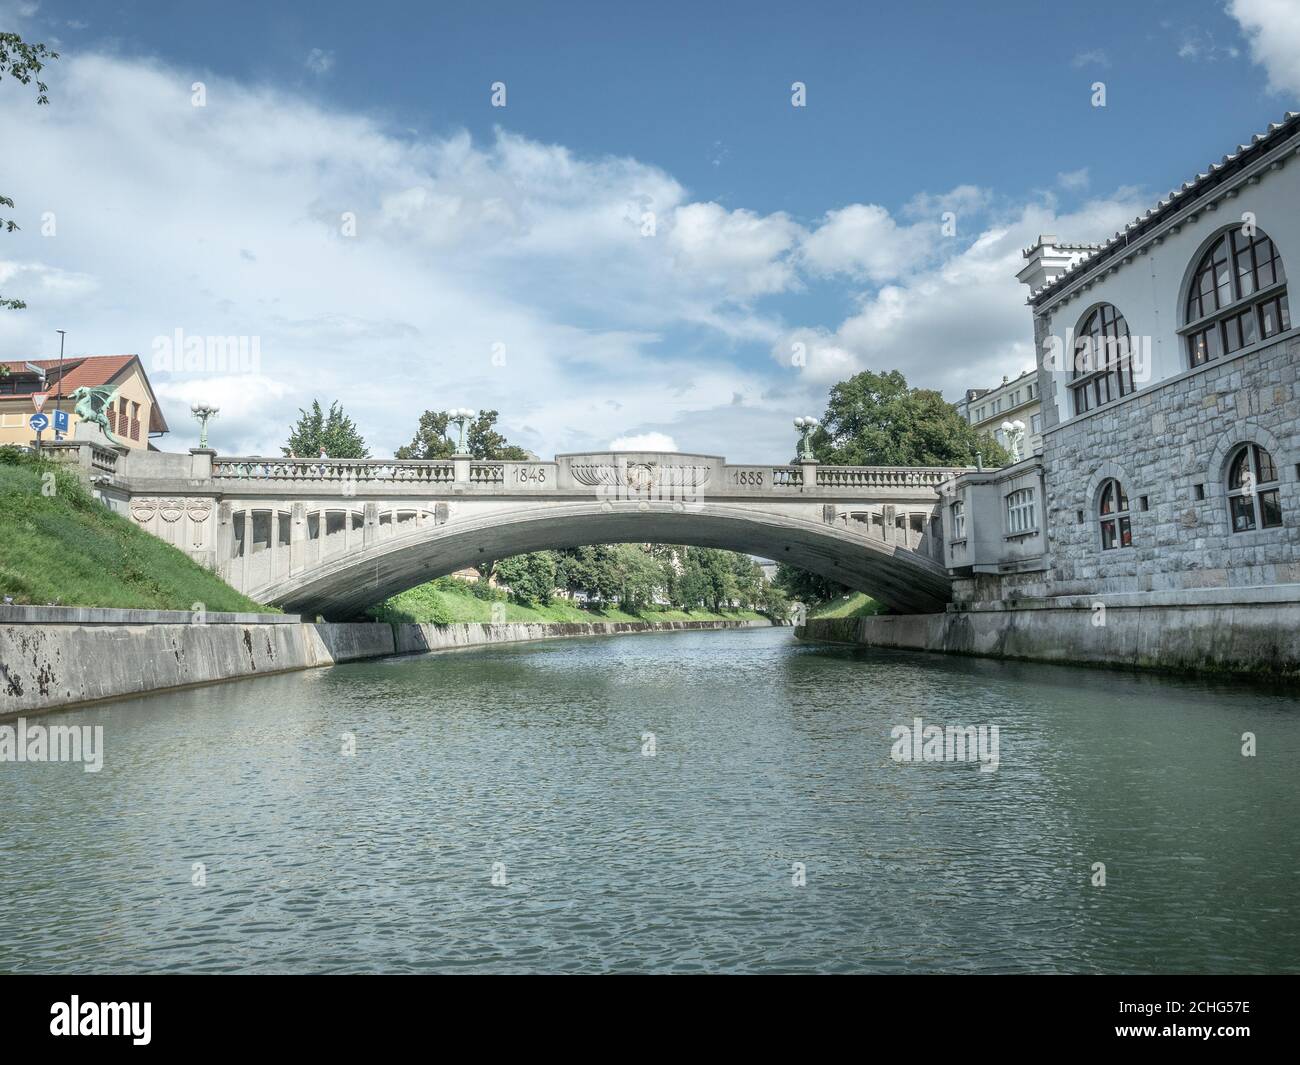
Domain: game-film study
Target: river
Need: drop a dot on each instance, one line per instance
(685, 802)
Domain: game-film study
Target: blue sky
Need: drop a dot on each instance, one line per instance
(518, 230)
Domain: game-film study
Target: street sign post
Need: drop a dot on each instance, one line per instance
(40, 423)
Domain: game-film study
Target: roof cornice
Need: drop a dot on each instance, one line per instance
(1266, 151)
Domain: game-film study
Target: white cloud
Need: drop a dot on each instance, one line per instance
(1198, 45)
(864, 241)
(462, 251)
(1094, 57)
(1273, 29)
(320, 61)
(964, 200)
(739, 251)
(643, 442)
(1073, 180)
(959, 323)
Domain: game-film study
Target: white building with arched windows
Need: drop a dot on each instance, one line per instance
(1170, 466)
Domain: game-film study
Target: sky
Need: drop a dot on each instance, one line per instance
(610, 223)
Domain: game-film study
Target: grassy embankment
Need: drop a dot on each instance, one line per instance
(447, 600)
(58, 545)
(853, 605)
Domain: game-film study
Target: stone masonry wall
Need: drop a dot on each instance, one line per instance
(1162, 444)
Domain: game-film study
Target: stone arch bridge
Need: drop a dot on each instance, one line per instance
(333, 536)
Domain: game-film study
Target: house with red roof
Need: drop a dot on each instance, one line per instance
(134, 415)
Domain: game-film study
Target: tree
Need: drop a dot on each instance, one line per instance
(530, 578)
(877, 420)
(335, 432)
(806, 587)
(638, 575)
(747, 576)
(482, 441)
(22, 62)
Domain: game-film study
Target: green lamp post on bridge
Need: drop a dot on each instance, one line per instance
(805, 425)
(460, 415)
(204, 412)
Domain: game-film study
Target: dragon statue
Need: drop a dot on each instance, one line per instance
(92, 403)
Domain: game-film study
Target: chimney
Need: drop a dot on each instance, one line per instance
(1048, 259)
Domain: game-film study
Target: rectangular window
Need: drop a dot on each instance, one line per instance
(958, 513)
(1081, 400)
(1036, 423)
(1243, 513)
(1270, 509)
(1020, 511)
(1274, 317)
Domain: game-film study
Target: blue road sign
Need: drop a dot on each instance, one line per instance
(39, 422)
(60, 421)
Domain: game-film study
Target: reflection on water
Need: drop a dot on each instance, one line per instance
(527, 763)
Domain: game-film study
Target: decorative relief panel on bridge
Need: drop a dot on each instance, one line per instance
(162, 517)
(640, 476)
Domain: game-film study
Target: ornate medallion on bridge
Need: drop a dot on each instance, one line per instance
(640, 476)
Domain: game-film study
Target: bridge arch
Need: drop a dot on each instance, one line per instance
(899, 571)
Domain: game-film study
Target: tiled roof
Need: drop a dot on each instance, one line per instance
(1177, 198)
(88, 371)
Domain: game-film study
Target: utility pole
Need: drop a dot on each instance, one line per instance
(58, 397)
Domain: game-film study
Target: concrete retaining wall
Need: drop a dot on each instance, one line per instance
(415, 638)
(1234, 637)
(82, 659)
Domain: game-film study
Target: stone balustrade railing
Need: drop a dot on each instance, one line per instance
(881, 476)
(89, 455)
(707, 475)
(487, 473)
(402, 471)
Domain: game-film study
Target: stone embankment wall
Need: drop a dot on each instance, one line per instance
(1256, 631)
(51, 657)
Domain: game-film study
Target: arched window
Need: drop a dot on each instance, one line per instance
(1253, 499)
(1103, 365)
(1112, 512)
(1237, 296)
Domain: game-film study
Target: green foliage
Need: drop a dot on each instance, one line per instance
(805, 587)
(530, 578)
(448, 600)
(432, 439)
(624, 582)
(60, 545)
(335, 432)
(877, 420)
(22, 62)
(850, 605)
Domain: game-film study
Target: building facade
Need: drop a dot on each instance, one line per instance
(1013, 400)
(1171, 422)
(134, 414)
